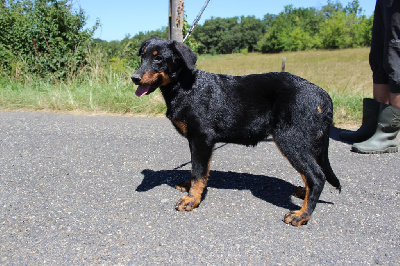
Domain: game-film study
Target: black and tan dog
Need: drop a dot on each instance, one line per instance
(207, 108)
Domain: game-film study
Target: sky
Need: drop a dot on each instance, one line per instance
(118, 18)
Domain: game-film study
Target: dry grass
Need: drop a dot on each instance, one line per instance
(340, 70)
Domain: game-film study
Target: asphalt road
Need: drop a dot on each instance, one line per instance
(100, 190)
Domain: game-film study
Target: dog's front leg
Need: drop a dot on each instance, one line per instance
(201, 156)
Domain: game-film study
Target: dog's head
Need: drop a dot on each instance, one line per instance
(161, 62)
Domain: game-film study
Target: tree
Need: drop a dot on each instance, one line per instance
(331, 27)
(251, 30)
(293, 29)
(335, 33)
(346, 30)
(228, 35)
(331, 8)
(354, 8)
(44, 37)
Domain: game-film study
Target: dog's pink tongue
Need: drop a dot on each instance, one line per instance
(142, 90)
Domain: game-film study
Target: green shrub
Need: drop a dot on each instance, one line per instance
(43, 37)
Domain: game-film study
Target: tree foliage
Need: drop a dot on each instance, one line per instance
(228, 35)
(125, 51)
(331, 27)
(43, 37)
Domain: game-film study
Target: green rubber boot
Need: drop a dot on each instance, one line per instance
(384, 140)
(370, 119)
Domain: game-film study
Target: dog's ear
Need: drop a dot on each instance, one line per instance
(185, 54)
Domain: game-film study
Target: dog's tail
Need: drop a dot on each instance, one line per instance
(324, 158)
(327, 168)
(330, 175)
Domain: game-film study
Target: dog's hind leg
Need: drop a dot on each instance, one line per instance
(312, 192)
(201, 156)
(303, 161)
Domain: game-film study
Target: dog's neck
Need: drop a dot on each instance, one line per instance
(179, 87)
(182, 80)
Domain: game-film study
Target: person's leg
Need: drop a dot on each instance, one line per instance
(381, 93)
(395, 99)
(385, 65)
(371, 107)
(388, 125)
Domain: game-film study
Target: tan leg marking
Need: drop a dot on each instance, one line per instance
(301, 216)
(196, 188)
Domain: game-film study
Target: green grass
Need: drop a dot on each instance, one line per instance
(112, 95)
(344, 74)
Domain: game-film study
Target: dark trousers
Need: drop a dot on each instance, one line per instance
(384, 57)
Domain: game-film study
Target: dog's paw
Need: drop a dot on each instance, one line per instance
(187, 203)
(296, 218)
(184, 186)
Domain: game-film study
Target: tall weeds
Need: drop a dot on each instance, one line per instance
(97, 87)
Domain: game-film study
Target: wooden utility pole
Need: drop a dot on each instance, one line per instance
(175, 23)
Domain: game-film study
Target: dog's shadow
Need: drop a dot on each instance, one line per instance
(270, 189)
(273, 190)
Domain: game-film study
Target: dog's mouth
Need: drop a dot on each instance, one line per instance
(144, 90)
(150, 81)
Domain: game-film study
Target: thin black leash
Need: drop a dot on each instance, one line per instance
(196, 20)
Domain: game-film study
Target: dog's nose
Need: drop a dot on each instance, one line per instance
(136, 78)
